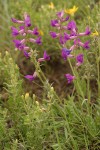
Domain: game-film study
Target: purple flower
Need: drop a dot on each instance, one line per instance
(66, 36)
(38, 41)
(27, 20)
(35, 31)
(69, 77)
(72, 26)
(46, 56)
(84, 45)
(15, 32)
(19, 44)
(77, 41)
(73, 33)
(60, 14)
(87, 32)
(62, 40)
(65, 53)
(73, 37)
(22, 30)
(54, 34)
(17, 21)
(79, 59)
(22, 27)
(14, 20)
(32, 40)
(67, 18)
(27, 55)
(31, 77)
(54, 23)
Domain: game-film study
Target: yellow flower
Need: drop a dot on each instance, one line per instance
(41, 32)
(51, 5)
(71, 11)
(95, 33)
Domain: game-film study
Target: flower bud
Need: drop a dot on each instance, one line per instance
(26, 96)
(37, 103)
(7, 53)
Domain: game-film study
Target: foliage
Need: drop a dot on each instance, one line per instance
(49, 121)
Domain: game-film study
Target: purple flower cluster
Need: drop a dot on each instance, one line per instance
(21, 44)
(24, 31)
(69, 32)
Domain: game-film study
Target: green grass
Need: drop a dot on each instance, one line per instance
(45, 119)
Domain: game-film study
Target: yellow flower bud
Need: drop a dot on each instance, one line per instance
(34, 96)
(16, 66)
(37, 103)
(52, 89)
(16, 49)
(26, 96)
(43, 109)
(10, 59)
(22, 96)
(6, 52)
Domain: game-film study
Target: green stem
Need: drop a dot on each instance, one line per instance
(98, 69)
(88, 90)
(56, 133)
(76, 74)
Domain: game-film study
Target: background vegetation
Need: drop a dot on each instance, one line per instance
(49, 115)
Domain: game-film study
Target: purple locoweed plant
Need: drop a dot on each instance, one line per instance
(21, 43)
(66, 32)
